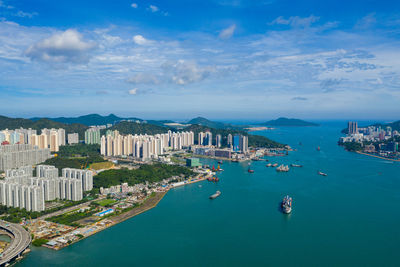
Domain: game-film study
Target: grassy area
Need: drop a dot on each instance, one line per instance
(39, 242)
(101, 165)
(70, 218)
(106, 202)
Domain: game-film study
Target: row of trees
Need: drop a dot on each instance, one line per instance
(145, 173)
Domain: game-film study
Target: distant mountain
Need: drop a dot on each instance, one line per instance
(16, 123)
(127, 127)
(254, 140)
(289, 123)
(91, 119)
(213, 124)
(394, 125)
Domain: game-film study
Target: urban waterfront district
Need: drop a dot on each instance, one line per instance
(344, 219)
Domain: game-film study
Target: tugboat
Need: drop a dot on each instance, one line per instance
(217, 194)
(286, 205)
(322, 173)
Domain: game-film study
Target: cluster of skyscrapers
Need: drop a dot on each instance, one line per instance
(20, 189)
(15, 156)
(49, 138)
(237, 143)
(145, 146)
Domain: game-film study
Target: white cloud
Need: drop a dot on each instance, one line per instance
(140, 40)
(63, 47)
(144, 78)
(295, 21)
(23, 14)
(228, 32)
(134, 5)
(153, 8)
(184, 72)
(366, 22)
(133, 91)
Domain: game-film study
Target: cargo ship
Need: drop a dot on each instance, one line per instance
(217, 194)
(286, 205)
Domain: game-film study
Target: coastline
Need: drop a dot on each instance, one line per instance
(130, 214)
(379, 157)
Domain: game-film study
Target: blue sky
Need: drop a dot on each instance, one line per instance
(223, 59)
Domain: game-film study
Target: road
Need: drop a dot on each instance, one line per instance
(20, 241)
(59, 212)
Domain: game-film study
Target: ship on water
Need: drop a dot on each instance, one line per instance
(268, 165)
(318, 148)
(282, 168)
(296, 165)
(250, 170)
(286, 205)
(217, 194)
(322, 173)
(275, 164)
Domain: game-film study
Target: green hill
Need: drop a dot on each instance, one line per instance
(91, 119)
(285, 122)
(213, 124)
(16, 123)
(127, 127)
(254, 140)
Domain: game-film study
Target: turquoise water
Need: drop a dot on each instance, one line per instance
(351, 217)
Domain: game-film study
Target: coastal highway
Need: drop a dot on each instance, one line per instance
(20, 240)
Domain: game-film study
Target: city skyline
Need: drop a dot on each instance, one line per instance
(218, 59)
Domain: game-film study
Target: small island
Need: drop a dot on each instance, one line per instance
(287, 122)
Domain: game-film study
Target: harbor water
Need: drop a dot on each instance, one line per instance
(349, 218)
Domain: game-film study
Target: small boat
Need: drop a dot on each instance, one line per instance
(217, 194)
(282, 168)
(322, 173)
(220, 162)
(268, 165)
(286, 205)
(213, 179)
(296, 165)
(318, 148)
(275, 164)
(250, 170)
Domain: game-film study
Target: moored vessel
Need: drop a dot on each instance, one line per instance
(282, 168)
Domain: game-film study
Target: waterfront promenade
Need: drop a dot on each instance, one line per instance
(20, 241)
(379, 157)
